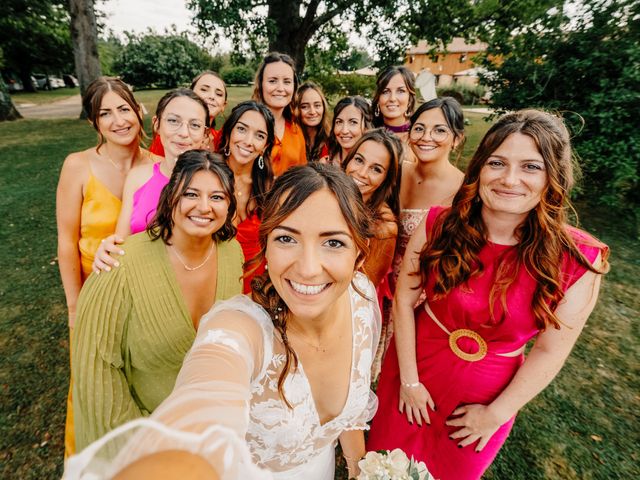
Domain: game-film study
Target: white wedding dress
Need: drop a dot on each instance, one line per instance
(226, 407)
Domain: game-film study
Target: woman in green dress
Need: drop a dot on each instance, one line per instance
(136, 323)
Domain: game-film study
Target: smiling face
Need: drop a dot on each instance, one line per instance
(212, 90)
(430, 137)
(203, 207)
(514, 178)
(182, 126)
(369, 167)
(311, 256)
(348, 126)
(277, 85)
(248, 138)
(117, 121)
(311, 108)
(394, 100)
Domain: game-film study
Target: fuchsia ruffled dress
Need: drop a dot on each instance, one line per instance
(453, 381)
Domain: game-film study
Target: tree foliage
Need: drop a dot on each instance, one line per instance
(34, 35)
(153, 60)
(391, 26)
(587, 68)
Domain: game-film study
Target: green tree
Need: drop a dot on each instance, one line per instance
(167, 60)
(34, 35)
(586, 67)
(289, 25)
(109, 49)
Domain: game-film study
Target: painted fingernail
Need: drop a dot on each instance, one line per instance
(459, 446)
(108, 269)
(435, 409)
(121, 252)
(117, 264)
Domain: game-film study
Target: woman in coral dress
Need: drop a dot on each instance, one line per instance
(499, 268)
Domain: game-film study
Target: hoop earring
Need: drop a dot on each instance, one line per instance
(407, 114)
(226, 152)
(260, 163)
(377, 110)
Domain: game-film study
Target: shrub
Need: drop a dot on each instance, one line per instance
(237, 75)
(338, 86)
(465, 94)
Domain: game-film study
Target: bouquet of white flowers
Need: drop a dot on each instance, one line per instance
(394, 465)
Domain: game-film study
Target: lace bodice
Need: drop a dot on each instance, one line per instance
(280, 438)
(229, 380)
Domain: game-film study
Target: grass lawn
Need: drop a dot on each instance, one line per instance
(583, 426)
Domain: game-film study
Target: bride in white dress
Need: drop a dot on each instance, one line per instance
(273, 382)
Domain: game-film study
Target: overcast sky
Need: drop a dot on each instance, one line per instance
(138, 15)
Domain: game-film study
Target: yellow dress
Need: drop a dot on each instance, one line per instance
(98, 218)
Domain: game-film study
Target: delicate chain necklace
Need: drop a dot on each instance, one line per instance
(191, 269)
(318, 348)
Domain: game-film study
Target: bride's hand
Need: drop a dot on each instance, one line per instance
(414, 401)
(104, 259)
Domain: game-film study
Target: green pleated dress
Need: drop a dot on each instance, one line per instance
(132, 332)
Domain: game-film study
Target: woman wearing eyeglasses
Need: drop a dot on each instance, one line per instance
(437, 129)
(181, 121)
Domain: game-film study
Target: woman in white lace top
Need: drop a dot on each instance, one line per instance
(288, 371)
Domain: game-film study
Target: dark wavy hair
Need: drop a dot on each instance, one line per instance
(261, 178)
(188, 164)
(362, 105)
(92, 100)
(388, 191)
(275, 57)
(453, 115)
(452, 252)
(323, 128)
(179, 92)
(381, 83)
(289, 192)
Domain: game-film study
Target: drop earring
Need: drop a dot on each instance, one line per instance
(377, 111)
(226, 151)
(260, 163)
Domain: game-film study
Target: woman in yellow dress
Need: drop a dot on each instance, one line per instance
(90, 190)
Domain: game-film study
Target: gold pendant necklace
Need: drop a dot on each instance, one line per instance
(191, 269)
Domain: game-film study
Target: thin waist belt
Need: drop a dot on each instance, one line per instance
(463, 332)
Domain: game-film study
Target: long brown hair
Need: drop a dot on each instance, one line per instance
(451, 253)
(92, 101)
(323, 128)
(289, 192)
(381, 83)
(388, 191)
(258, 96)
(363, 107)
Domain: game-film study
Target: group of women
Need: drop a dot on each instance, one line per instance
(249, 280)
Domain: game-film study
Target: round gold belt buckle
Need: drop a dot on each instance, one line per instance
(469, 357)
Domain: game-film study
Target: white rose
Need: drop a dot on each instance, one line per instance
(371, 465)
(398, 463)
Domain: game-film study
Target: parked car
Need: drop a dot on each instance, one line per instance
(70, 81)
(13, 84)
(48, 82)
(56, 82)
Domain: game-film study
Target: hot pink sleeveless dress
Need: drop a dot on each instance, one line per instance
(452, 381)
(145, 200)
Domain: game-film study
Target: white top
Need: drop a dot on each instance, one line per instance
(229, 379)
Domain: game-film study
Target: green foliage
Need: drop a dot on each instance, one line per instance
(338, 86)
(587, 68)
(109, 50)
(465, 94)
(332, 52)
(166, 61)
(238, 75)
(35, 36)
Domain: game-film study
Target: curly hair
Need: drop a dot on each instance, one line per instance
(289, 192)
(452, 251)
(188, 164)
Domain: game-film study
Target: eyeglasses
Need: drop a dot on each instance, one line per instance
(175, 123)
(439, 133)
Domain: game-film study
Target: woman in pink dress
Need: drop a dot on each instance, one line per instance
(498, 268)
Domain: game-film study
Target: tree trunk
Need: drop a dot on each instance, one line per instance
(84, 35)
(8, 110)
(290, 31)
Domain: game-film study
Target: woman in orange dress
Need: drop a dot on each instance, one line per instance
(275, 85)
(90, 188)
(312, 113)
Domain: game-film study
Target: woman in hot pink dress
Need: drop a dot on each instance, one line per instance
(498, 268)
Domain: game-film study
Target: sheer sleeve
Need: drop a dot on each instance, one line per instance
(208, 411)
(102, 398)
